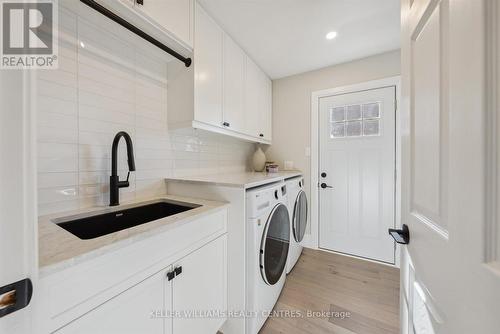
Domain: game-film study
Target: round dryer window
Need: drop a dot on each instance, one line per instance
(274, 245)
(300, 216)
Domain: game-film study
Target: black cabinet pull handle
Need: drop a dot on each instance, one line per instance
(401, 236)
(178, 270)
(226, 124)
(324, 185)
(140, 2)
(170, 275)
(261, 135)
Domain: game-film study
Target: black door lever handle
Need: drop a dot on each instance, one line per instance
(401, 236)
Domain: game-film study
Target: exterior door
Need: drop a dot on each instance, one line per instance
(450, 280)
(357, 173)
(17, 198)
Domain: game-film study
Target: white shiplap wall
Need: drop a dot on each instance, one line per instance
(108, 81)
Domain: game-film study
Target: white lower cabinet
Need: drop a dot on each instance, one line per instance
(130, 312)
(201, 289)
(191, 301)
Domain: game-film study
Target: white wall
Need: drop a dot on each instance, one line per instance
(112, 82)
(292, 104)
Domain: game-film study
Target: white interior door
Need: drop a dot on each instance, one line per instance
(449, 282)
(357, 172)
(17, 197)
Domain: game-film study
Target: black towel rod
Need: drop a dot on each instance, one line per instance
(112, 16)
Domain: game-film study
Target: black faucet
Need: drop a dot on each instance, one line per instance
(114, 183)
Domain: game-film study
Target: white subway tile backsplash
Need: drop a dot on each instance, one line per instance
(59, 179)
(50, 150)
(57, 165)
(57, 90)
(57, 194)
(116, 82)
(56, 120)
(104, 102)
(106, 115)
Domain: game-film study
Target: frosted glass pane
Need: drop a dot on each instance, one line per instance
(371, 110)
(371, 127)
(337, 114)
(353, 128)
(353, 112)
(338, 130)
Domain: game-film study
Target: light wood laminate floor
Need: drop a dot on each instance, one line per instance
(354, 296)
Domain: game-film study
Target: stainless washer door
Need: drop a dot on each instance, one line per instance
(300, 216)
(274, 245)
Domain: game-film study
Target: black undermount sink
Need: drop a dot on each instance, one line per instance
(97, 224)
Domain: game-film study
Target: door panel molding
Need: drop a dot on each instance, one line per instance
(429, 120)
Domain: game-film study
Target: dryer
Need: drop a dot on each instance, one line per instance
(268, 239)
(297, 207)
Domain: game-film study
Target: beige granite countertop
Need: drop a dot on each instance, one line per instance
(59, 249)
(244, 180)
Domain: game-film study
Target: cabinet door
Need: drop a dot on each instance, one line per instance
(234, 78)
(252, 98)
(208, 69)
(174, 15)
(202, 287)
(130, 312)
(266, 101)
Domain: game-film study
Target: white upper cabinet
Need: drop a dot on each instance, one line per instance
(176, 16)
(266, 109)
(234, 83)
(208, 69)
(258, 102)
(231, 93)
(252, 98)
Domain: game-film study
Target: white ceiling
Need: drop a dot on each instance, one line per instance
(287, 37)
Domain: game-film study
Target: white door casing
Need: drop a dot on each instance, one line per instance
(447, 284)
(357, 153)
(18, 214)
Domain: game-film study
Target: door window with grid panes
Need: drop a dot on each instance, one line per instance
(357, 120)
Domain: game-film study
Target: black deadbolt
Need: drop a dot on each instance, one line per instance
(323, 174)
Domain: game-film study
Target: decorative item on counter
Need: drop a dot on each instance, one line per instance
(259, 160)
(288, 165)
(272, 167)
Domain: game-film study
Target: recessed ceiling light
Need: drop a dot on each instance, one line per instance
(331, 35)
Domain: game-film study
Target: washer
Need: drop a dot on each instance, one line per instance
(297, 207)
(268, 239)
